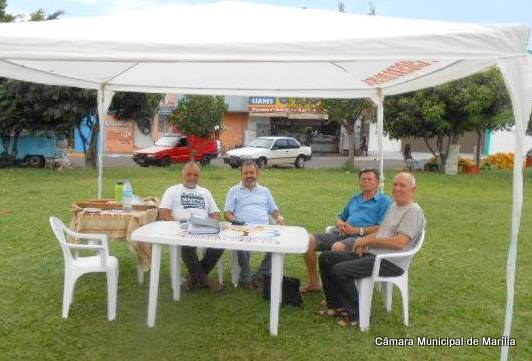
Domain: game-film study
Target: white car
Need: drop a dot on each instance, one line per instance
(270, 151)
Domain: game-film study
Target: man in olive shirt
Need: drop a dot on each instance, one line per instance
(400, 231)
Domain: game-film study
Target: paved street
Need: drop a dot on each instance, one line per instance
(319, 160)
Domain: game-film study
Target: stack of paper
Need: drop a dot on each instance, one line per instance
(199, 225)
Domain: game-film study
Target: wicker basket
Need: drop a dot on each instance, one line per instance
(98, 203)
(110, 204)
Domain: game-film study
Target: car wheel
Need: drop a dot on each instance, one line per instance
(206, 160)
(144, 165)
(300, 162)
(35, 161)
(261, 162)
(166, 161)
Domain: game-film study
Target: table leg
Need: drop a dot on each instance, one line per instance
(154, 283)
(177, 281)
(275, 292)
(281, 278)
(173, 265)
(235, 268)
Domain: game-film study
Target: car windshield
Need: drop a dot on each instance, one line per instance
(167, 141)
(261, 143)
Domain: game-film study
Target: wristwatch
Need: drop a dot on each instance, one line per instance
(360, 231)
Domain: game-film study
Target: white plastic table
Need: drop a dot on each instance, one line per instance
(285, 239)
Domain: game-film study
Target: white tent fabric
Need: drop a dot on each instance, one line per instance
(233, 48)
(519, 88)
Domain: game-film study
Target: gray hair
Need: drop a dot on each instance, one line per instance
(409, 176)
(189, 165)
(250, 163)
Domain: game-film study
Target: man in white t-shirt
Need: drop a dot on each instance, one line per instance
(179, 202)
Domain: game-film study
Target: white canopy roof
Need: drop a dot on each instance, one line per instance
(234, 48)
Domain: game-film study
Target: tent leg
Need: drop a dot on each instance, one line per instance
(379, 101)
(104, 102)
(514, 73)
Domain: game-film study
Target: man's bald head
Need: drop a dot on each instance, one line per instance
(191, 164)
(404, 187)
(191, 174)
(409, 177)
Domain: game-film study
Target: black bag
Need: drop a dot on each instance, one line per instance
(290, 287)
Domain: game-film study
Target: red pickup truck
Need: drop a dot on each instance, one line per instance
(176, 148)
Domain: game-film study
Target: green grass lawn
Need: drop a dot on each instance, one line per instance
(457, 281)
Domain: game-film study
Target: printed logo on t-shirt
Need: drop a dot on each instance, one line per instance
(191, 200)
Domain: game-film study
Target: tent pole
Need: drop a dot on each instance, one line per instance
(514, 74)
(101, 127)
(104, 102)
(378, 100)
(380, 131)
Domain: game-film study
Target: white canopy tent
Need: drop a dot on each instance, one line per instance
(233, 48)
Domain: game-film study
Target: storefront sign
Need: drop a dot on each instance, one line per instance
(119, 136)
(285, 105)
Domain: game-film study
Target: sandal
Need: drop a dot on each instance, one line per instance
(308, 289)
(346, 322)
(333, 312)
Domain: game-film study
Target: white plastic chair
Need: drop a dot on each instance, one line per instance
(365, 285)
(76, 266)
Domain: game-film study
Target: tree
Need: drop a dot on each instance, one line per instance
(198, 115)
(487, 103)
(5, 18)
(445, 112)
(40, 15)
(139, 107)
(28, 106)
(346, 112)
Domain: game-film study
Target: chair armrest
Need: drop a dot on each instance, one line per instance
(102, 248)
(396, 255)
(88, 236)
(388, 256)
(95, 247)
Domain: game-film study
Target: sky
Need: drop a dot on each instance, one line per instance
(477, 11)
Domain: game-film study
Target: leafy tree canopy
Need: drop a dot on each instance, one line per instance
(475, 103)
(199, 114)
(40, 15)
(4, 17)
(346, 112)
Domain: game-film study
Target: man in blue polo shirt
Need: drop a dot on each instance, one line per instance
(362, 216)
(253, 204)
